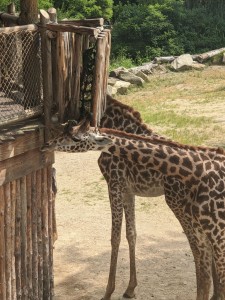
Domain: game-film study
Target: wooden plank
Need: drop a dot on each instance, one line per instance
(21, 144)
(2, 245)
(73, 28)
(21, 165)
(98, 22)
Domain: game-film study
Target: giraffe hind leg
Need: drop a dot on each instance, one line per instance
(129, 209)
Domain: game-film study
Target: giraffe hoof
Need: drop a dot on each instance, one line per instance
(125, 295)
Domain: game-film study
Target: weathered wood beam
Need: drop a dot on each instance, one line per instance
(98, 22)
(73, 28)
(14, 168)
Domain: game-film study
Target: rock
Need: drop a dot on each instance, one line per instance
(182, 63)
(223, 59)
(146, 68)
(122, 87)
(116, 72)
(111, 90)
(141, 75)
(112, 81)
(130, 77)
(197, 66)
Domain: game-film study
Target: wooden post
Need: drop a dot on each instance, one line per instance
(52, 14)
(76, 72)
(98, 79)
(8, 240)
(29, 237)
(13, 220)
(2, 245)
(34, 237)
(46, 71)
(18, 242)
(28, 11)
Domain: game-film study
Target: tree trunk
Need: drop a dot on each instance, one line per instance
(28, 11)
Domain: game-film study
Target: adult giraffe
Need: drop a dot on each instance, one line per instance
(125, 181)
(152, 184)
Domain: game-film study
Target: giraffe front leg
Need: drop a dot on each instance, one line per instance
(117, 218)
(129, 208)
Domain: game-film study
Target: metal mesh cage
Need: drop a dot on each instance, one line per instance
(20, 75)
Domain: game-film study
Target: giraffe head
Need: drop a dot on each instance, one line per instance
(80, 138)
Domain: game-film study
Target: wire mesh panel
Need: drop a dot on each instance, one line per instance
(20, 74)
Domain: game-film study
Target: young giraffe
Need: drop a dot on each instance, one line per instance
(201, 170)
(122, 117)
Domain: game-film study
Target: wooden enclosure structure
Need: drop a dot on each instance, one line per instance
(49, 72)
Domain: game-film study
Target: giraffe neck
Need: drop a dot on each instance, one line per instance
(123, 117)
(186, 163)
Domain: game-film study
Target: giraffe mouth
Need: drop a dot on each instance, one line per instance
(47, 147)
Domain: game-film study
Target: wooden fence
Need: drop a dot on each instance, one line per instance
(72, 60)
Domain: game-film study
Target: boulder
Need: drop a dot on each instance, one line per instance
(122, 87)
(143, 76)
(146, 68)
(111, 90)
(197, 66)
(182, 63)
(112, 81)
(130, 77)
(116, 72)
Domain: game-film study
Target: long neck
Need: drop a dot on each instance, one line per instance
(122, 117)
(186, 163)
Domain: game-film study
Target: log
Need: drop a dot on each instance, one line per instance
(50, 229)
(18, 242)
(13, 221)
(73, 28)
(46, 72)
(54, 191)
(28, 11)
(29, 237)
(23, 191)
(39, 233)
(9, 19)
(60, 75)
(34, 237)
(99, 22)
(98, 79)
(205, 56)
(8, 240)
(164, 59)
(45, 234)
(31, 27)
(2, 245)
(52, 14)
(76, 72)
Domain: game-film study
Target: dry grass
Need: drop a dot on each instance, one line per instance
(188, 107)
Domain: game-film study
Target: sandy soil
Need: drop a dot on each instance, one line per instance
(164, 262)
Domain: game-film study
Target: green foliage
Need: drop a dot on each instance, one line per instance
(45, 4)
(79, 9)
(145, 30)
(152, 28)
(121, 60)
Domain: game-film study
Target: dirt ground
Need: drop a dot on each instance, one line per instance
(165, 264)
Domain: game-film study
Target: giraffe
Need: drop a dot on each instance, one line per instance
(200, 170)
(120, 116)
